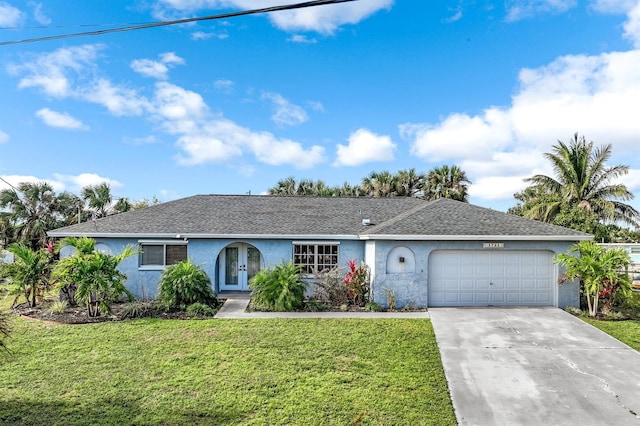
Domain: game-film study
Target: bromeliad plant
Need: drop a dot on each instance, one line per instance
(357, 280)
(600, 271)
(96, 275)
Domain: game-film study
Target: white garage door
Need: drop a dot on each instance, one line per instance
(491, 278)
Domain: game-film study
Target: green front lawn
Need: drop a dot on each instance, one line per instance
(369, 371)
(626, 331)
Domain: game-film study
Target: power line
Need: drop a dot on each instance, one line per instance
(180, 21)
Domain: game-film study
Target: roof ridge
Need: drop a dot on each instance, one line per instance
(402, 215)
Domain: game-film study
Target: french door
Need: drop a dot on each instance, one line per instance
(239, 263)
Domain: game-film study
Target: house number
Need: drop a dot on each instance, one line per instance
(493, 245)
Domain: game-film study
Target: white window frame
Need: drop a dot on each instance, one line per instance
(314, 266)
(164, 244)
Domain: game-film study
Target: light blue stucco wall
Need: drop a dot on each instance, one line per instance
(143, 283)
(410, 288)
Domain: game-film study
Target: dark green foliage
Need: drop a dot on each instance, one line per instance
(96, 275)
(141, 309)
(315, 306)
(200, 309)
(278, 289)
(185, 283)
(373, 307)
(29, 272)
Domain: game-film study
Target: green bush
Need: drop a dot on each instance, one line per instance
(278, 289)
(373, 307)
(200, 309)
(140, 309)
(315, 306)
(58, 307)
(185, 283)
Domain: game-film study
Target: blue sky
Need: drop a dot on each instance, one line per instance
(331, 93)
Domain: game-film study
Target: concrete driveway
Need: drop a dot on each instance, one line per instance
(535, 366)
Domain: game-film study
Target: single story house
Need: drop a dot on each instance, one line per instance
(430, 253)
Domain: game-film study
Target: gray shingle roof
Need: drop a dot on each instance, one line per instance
(229, 215)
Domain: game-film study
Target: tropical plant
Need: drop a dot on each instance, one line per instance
(83, 246)
(97, 278)
(33, 209)
(278, 289)
(357, 281)
(583, 180)
(200, 309)
(447, 182)
(185, 283)
(29, 272)
(379, 184)
(601, 273)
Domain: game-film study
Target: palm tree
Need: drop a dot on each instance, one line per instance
(29, 271)
(379, 184)
(447, 182)
(284, 187)
(409, 183)
(98, 198)
(582, 180)
(33, 210)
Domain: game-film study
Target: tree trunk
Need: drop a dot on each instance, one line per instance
(68, 294)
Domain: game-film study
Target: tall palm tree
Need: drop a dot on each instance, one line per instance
(33, 209)
(98, 199)
(409, 183)
(284, 187)
(379, 184)
(447, 182)
(581, 180)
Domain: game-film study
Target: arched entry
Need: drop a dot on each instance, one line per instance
(239, 262)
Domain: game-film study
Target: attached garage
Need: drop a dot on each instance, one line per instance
(491, 278)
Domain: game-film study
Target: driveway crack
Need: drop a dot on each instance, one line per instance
(605, 384)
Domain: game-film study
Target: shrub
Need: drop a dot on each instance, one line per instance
(4, 330)
(357, 280)
(58, 307)
(201, 309)
(185, 283)
(316, 306)
(373, 307)
(278, 289)
(139, 309)
(96, 275)
(329, 287)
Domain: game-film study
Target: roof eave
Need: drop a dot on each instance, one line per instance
(476, 237)
(183, 236)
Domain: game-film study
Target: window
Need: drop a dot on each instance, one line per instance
(162, 254)
(313, 257)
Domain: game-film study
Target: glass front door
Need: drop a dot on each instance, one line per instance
(239, 263)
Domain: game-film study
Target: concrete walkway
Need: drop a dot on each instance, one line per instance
(235, 306)
(535, 366)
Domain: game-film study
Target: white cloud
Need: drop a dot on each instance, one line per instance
(51, 72)
(10, 16)
(300, 38)
(120, 101)
(523, 9)
(3, 137)
(16, 180)
(157, 69)
(322, 19)
(201, 135)
(225, 85)
(286, 113)
(364, 147)
(60, 119)
(39, 14)
(632, 26)
(149, 68)
(201, 35)
(75, 183)
(597, 96)
(613, 6)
